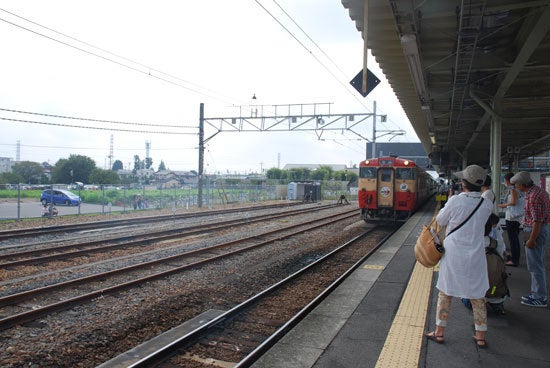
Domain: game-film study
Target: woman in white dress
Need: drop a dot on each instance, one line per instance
(463, 267)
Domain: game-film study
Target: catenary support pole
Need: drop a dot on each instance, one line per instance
(201, 154)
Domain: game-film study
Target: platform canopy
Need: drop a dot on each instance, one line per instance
(468, 74)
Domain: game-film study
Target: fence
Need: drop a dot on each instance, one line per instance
(19, 201)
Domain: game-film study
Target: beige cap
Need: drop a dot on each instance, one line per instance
(521, 177)
(473, 174)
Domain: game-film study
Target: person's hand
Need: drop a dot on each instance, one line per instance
(530, 244)
(502, 206)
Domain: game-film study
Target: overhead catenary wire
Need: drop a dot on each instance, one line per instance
(94, 128)
(147, 70)
(95, 148)
(110, 121)
(345, 85)
(99, 120)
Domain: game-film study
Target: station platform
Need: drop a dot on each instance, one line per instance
(377, 317)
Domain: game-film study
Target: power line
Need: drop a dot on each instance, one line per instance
(95, 148)
(320, 49)
(94, 128)
(98, 120)
(146, 72)
(312, 54)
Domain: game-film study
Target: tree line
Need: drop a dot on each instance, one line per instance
(79, 168)
(322, 173)
(76, 168)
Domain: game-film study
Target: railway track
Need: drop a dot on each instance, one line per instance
(75, 249)
(55, 297)
(239, 336)
(37, 231)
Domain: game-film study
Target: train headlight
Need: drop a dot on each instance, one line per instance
(406, 162)
(367, 162)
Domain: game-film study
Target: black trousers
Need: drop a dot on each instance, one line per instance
(512, 228)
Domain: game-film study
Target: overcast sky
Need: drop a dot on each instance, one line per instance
(154, 62)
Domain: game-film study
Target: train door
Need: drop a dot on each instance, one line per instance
(385, 187)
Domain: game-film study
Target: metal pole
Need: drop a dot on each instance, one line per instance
(80, 202)
(365, 44)
(102, 199)
(19, 202)
(201, 153)
(374, 154)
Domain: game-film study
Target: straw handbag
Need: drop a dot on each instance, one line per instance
(429, 245)
(429, 249)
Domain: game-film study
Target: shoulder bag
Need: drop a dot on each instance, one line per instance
(518, 210)
(429, 245)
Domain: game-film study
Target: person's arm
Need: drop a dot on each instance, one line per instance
(531, 242)
(513, 199)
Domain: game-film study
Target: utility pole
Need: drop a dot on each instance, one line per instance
(373, 129)
(383, 118)
(201, 153)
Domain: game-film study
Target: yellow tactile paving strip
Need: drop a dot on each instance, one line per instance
(404, 341)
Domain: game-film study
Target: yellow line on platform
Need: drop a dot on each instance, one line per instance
(404, 341)
(373, 267)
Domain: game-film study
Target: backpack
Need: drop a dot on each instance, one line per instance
(498, 288)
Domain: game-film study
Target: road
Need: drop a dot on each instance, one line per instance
(28, 209)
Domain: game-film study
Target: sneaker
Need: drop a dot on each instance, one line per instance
(539, 303)
(527, 297)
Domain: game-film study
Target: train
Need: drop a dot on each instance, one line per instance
(392, 188)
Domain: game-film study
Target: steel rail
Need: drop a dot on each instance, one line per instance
(160, 354)
(131, 240)
(10, 321)
(8, 234)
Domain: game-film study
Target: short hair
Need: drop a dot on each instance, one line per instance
(492, 220)
(487, 182)
(471, 187)
(508, 176)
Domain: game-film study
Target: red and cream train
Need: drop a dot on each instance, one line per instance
(392, 188)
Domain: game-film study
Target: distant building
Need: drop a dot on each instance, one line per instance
(5, 164)
(169, 178)
(411, 151)
(143, 174)
(47, 169)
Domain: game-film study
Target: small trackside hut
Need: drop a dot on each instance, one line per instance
(307, 191)
(392, 188)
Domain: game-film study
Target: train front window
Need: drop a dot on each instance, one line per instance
(385, 175)
(367, 172)
(406, 174)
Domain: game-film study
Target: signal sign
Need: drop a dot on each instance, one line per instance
(357, 82)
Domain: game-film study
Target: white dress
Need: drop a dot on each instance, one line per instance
(463, 267)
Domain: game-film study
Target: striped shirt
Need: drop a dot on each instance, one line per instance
(537, 206)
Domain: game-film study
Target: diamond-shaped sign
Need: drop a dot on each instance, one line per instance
(357, 82)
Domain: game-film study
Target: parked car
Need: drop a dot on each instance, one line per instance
(76, 186)
(60, 196)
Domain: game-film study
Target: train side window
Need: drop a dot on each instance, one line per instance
(406, 174)
(367, 172)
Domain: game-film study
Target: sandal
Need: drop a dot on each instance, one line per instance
(480, 343)
(432, 336)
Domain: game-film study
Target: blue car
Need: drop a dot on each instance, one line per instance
(60, 196)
